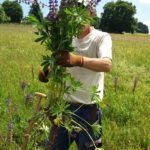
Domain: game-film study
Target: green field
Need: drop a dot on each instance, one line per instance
(126, 110)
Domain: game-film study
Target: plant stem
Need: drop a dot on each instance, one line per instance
(80, 118)
(85, 131)
(52, 137)
(32, 121)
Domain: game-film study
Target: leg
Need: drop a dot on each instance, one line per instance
(62, 140)
(83, 141)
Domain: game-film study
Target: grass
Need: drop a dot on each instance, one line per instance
(125, 114)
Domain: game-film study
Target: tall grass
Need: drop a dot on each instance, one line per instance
(125, 113)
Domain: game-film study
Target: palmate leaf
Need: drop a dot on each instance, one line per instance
(59, 108)
(40, 39)
(68, 12)
(43, 37)
(94, 89)
(96, 129)
(95, 95)
(43, 28)
(73, 85)
(68, 26)
(47, 61)
(33, 19)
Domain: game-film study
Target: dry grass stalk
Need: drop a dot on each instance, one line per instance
(135, 84)
(52, 137)
(32, 121)
(10, 135)
(32, 71)
(116, 83)
(1, 139)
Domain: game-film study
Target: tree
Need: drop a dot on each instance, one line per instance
(35, 10)
(3, 17)
(13, 10)
(119, 17)
(142, 28)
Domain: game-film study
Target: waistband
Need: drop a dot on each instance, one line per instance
(82, 105)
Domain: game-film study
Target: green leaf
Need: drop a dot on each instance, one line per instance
(59, 108)
(39, 39)
(68, 12)
(33, 19)
(17, 119)
(96, 129)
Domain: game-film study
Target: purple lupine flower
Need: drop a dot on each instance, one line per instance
(10, 126)
(16, 108)
(8, 101)
(96, 1)
(10, 133)
(92, 4)
(53, 4)
(28, 98)
(23, 85)
(25, 1)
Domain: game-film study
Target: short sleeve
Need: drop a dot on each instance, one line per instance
(105, 47)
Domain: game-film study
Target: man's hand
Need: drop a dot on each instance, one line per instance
(43, 74)
(67, 59)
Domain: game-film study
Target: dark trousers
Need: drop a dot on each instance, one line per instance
(91, 114)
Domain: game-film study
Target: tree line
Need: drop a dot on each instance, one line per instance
(117, 17)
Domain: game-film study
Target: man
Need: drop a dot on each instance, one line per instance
(91, 58)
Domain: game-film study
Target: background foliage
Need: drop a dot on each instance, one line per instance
(3, 17)
(142, 28)
(118, 17)
(13, 10)
(35, 10)
(125, 106)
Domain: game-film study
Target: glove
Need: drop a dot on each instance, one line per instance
(67, 59)
(43, 74)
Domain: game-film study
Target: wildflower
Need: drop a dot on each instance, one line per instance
(8, 101)
(90, 4)
(28, 98)
(10, 133)
(53, 15)
(77, 129)
(24, 85)
(58, 121)
(16, 108)
(44, 128)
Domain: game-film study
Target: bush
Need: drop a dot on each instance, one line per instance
(25, 21)
(3, 17)
(13, 10)
(119, 17)
(35, 10)
(142, 28)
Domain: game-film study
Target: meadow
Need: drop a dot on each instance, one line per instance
(125, 107)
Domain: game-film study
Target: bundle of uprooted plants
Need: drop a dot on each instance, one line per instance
(56, 32)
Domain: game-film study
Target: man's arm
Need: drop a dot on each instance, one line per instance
(97, 64)
(67, 59)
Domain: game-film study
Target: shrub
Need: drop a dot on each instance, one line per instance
(3, 17)
(13, 10)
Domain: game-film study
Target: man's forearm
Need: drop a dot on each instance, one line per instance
(97, 64)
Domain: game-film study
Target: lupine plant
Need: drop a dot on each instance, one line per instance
(56, 32)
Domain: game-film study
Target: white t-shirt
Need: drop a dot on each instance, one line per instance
(96, 44)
